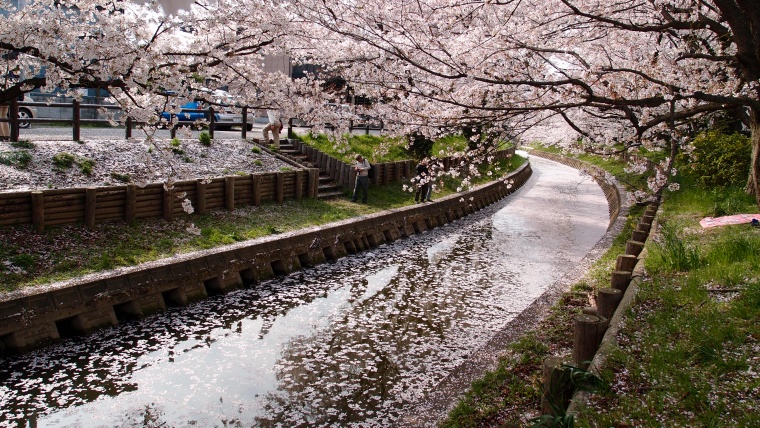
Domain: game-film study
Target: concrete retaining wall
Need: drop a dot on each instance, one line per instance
(33, 317)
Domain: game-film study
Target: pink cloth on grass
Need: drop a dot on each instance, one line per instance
(729, 219)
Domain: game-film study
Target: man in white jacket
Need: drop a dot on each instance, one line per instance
(274, 125)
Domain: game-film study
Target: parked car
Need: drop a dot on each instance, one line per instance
(227, 118)
(190, 112)
(26, 112)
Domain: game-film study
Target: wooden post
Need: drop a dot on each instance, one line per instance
(13, 116)
(557, 386)
(90, 201)
(634, 248)
(229, 192)
(211, 122)
(607, 301)
(620, 280)
(130, 204)
(313, 183)
(128, 128)
(626, 262)
(588, 331)
(168, 202)
(589, 310)
(645, 226)
(76, 120)
(639, 235)
(376, 174)
(279, 187)
(38, 210)
(244, 131)
(299, 184)
(256, 189)
(200, 196)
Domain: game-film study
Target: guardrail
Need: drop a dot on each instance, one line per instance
(77, 121)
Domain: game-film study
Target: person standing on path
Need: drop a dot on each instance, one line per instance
(274, 125)
(361, 166)
(423, 182)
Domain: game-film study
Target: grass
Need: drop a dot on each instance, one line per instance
(70, 251)
(687, 353)
(372, 147)
(690, 344)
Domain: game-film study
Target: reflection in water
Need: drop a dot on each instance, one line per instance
(353, 341)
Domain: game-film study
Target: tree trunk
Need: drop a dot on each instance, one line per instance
(753, 185)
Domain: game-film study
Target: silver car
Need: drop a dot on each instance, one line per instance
(26, 112)
(227, 117)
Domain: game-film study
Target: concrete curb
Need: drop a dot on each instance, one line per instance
(609, 340)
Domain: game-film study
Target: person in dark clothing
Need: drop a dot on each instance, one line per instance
(362, 178)
(423, 183)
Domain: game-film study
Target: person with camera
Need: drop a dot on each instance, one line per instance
(361, 166)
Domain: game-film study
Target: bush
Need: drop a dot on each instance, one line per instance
(63, 160)
(124, 178)
(24, 144)
(718, 159)
(86, 165)
(19, 159)
(205, 138)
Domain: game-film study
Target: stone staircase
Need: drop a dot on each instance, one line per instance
(327, 187)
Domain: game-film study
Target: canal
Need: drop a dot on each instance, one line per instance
(355, 342)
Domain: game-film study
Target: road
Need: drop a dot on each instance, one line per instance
(55, 133)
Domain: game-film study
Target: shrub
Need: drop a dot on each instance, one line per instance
(205, 138)
(86, 165)
(124, 178)
(63, 160)
(19, 159)
(718, 159)
(256, 149)
(24, 144)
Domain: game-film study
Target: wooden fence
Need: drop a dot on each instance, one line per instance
(99, 204)
(77, 121)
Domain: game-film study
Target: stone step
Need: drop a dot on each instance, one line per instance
(330, 194)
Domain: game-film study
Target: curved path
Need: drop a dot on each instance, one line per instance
(355, 342)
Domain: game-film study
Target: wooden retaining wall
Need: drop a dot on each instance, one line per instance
(33, 317)
(382, 172)
(93, 205)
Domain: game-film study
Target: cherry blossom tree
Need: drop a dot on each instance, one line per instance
(621, 74)
(138, 53)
